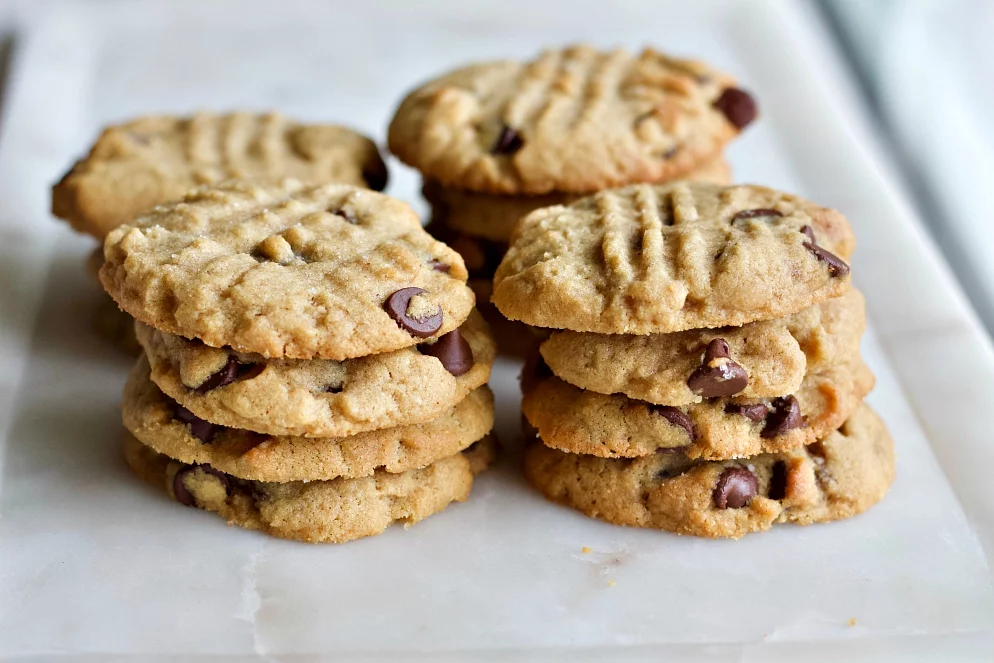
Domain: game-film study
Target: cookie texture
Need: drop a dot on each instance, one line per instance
(154, 160)
(318, 397)
(289, 270)
(573, 119)
(493, 217)
(672, 369)
(316, 511)
(159, 422)
(657, 259)
(586, 422)
(842, 475)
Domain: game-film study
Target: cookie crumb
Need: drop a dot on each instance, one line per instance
(586, 549)
(852, 622)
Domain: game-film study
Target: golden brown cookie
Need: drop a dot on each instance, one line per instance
(291, 270)
(574, 119)
(167, 427)
(759, 360)
(316, 511)
(154, 160)
(658, 259)
(842, 475)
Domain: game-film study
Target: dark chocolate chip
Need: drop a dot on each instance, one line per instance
(753, 213)
(200, 429)
(836, 266)
(676, 417)
(231, 371)
(735, 488)
(183, 495)
(778, 481)
(439, 266)
(752, 411)
(396, 308)
(375, 174)
(718, 375)
(334, 389)
(738, 106)
(785, 416)
(809, 232)
(508, 142)
(453, 351)
(345, 214)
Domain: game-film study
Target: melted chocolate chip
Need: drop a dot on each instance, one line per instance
(809, 232)
(676, 417)
(396, 308)
(738, 106)
(718, 375)
(752, 411)
(453, 351)
(183, 495)
(200, 429)
(785, 416)
(439, 266)
(345, 214)
(753, 213)
(778, 481)
(375, 174)
(735, 488)
(836, 266)
(508, 142)
(231, 371)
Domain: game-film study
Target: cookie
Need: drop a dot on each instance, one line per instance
(838, 477)
(316, 511)
(574, 119)
(586, 422)
(493, 217)
(162, 424)
(321, 397)
(290, 270)
(150, 161)
(762, 359)
(658, 259)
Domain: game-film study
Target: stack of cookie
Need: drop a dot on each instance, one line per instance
(313, 365)
(496, 140)
(154, 160)
(704, 375)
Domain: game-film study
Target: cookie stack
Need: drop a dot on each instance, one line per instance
(313, 365)
(704, 375)
(154, 160)
(496, 140)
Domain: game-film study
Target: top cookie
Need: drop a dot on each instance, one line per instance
(331, 271)
(574, 120)
(154, 160)
(653, 259)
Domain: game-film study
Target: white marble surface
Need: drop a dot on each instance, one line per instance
(93, 564)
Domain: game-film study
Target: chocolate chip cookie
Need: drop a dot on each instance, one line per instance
(574, 119)
(765, 359)
(838, 477)
(288, 271)
(154, 160)
(586, 422)
(659, 259)
(166, 426)
(321, 397)
(332, 511)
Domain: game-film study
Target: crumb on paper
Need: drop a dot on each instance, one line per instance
(586, 549)
(611, 583)
(852, 622)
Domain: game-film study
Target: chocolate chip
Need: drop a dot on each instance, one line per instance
(375, 174)
(718, 375)
(453, 351)
(508, 142)
(836, 266)
(785, 416)
(334, 389)
(753, 213)
(396, 307)
(183, 495)
(752, 411)
(778, 481)
(738, 106)
(439, 266)
(200, 429)
(676, 417)
(735, 488)
(231, 371)
(809, 232)
(345, 214)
